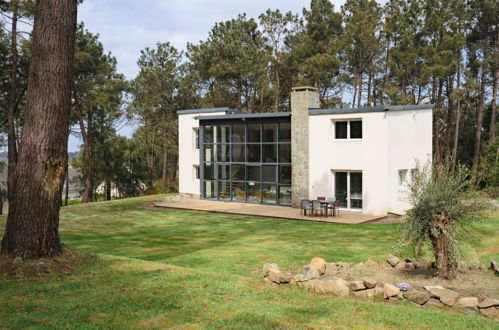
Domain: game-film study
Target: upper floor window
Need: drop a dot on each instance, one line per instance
(196, 137)
(348, 129)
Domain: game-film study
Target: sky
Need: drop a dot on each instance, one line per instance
(128, 26)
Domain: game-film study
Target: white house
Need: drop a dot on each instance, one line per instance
(361, 156)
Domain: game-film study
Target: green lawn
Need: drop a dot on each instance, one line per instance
(164, 268)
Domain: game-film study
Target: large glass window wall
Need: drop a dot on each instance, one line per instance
(247, 162)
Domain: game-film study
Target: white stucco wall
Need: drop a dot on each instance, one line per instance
(391, 140)
(188, 154)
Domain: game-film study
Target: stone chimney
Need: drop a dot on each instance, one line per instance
(302, 99)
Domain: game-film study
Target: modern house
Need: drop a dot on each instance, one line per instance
(361, 156)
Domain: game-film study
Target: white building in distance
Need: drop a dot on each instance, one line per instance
(361, 156)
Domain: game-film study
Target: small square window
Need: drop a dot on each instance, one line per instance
(356, 129)
(340, 130)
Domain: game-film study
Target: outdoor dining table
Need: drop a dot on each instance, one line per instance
(324, 204)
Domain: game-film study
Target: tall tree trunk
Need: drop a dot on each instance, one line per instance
(277, 88)
(11, 105)
(450, 115)
(478, 131)
(355, 88)
(359, 92)
(492, 127)
(164, 177)
(32, 229)
(369, 91)
(108, 189)
(458, 121)
(436, 122)
(67, 185)
(88, 170)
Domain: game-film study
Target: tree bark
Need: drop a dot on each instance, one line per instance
(11, 106)
(436, 122)
(359, 91)
(492, 128)
(32, 229)
(88, 171)
(442, 261)
(478, 131)
(458, 120)
(67, 185)
(165, 164)
(108, 189)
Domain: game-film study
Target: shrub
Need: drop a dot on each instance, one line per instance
(442, 205)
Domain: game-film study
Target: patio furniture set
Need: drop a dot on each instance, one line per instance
(320, 206)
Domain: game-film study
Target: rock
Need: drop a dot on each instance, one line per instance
(435, 303)
(357, 267)
(474, 266)
(494, 266)
(267, 267)
(385, 265)
(332, 268)
(378, 291)
(416, 296)
(390, 290)
(490, 312)
(446, 296)
(310, 272)
(429, 287)
(277, 276)
(371, 263)
(404, 286)
(357, 285)
(483, 267)
(400, 265)
(369, 283)
(299, 278)
(319, 263)
(461, 266)
(423, 264)
(18, 260)
(337, 287)
(392, 260)
(467, 302)
(369, 293)
(488, 302)
(409, 266)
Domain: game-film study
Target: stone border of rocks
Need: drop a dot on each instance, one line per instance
(319, 277)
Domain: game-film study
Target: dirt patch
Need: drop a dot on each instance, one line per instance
(478, 283)
(16, 269)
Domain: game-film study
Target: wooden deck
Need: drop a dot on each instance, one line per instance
(267, 211)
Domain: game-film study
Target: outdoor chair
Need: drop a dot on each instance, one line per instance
(304, 206)
(330, 205)
(335, 207)
(316, 206)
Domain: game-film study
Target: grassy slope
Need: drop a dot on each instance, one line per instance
(215, 279)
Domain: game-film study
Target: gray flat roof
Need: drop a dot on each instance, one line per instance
(370, 109)
(207, 110)
(246, 115)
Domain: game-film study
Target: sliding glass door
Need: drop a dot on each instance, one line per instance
(348, 189)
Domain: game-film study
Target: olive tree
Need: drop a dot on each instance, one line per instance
(442, 206)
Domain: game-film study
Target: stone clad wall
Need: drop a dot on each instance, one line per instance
(302, 98)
